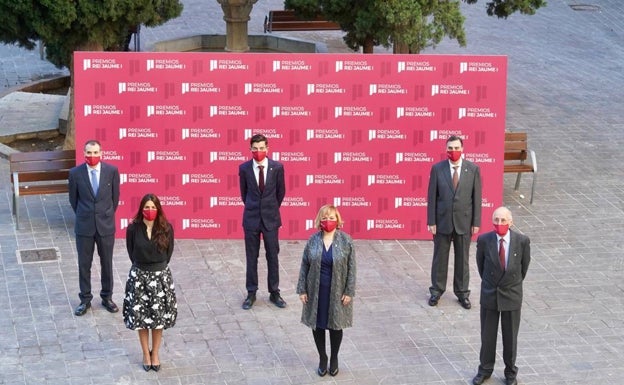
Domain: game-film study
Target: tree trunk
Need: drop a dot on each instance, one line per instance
(368, 46)
(70, 136)
(400, 47)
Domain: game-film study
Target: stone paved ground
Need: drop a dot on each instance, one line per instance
(566, 78)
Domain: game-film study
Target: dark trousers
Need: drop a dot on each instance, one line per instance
(85, 247)
(439, 265)
(510, 323)
(252, 251)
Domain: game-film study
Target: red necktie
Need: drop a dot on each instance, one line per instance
(455, 177)
(501, 253)
(261, 178)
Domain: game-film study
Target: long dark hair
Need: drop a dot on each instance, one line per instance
(160, 230)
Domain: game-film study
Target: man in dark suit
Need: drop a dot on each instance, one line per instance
(503, 258)
(453, 216)
(94, 196)
(263, 189)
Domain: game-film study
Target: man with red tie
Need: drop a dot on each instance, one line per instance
(262, 189)
(503, 258)
(453, 217)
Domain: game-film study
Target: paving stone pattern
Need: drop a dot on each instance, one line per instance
(565, 85)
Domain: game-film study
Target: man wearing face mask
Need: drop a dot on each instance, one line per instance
(94, 196)
(263, 188)
(503, 258)
(453, 216)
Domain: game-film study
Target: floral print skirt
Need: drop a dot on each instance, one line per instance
(150, 301)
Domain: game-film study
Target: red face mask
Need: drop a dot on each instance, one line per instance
(453, 155)
(501, 230)
(150, 215)
(92, 160)
(328, 226)
(259, 155)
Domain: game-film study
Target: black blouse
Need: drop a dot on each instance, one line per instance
(143, 251)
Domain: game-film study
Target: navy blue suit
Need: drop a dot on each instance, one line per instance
(95, 224)
(261, 216)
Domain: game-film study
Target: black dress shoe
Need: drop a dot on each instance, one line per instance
(110, 305)
(156, 367)
(249, 301)
(433, 301)
(465, 302)
(276, 298)
(479, 378)
(511, 381)
(147, 367)
(321, 372)
(82, 308)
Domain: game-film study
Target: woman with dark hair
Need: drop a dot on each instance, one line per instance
(326, 285)
(150, 301)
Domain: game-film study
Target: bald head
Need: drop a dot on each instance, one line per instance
(502, 216)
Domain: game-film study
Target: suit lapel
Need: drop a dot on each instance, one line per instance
(513, 248)
(494, 251)
(269, 173)
(464, 176)
(448, 176)
(87, 175)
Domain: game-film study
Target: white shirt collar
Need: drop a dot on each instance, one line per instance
(98, 167)
(506, 237)
(456, 165)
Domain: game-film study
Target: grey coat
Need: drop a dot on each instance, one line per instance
(343, 280)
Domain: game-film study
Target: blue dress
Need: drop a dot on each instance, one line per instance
(322, 314)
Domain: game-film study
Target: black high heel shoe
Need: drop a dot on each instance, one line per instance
(147, 367)
(333, 367)
(154, 367)
(322, 368)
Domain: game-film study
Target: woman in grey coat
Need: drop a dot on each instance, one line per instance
(326, 285)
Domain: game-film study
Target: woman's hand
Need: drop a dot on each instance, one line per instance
(303, 298)
(346, 299)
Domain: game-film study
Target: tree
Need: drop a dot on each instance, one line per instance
(408, 25)
(65, 26)
(417, 24)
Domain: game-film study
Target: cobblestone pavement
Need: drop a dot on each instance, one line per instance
(565, 86)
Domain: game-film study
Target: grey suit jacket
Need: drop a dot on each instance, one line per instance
(502, 290)
(263, 205)
(450, 209)
(94, 213)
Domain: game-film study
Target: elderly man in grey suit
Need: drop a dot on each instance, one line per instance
(94, 196)
(453, 216)
(503, 258)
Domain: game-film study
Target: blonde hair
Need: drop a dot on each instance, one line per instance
(323, 211)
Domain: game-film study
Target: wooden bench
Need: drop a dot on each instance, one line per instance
(286, 20)
(38, 173)
(516, 156)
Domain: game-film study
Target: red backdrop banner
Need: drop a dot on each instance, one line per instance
(358, 131)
